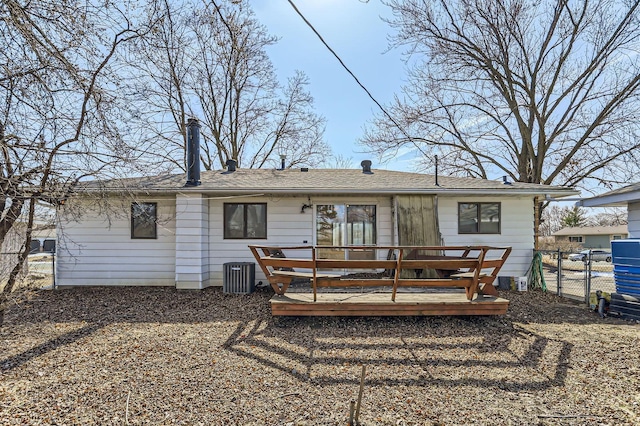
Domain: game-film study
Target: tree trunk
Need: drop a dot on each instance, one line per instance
(13, 213)
(17, 269)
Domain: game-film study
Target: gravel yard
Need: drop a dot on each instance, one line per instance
(160, 356)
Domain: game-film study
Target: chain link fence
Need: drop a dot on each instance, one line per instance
(38, 272)
(573, 279)
(576, 277)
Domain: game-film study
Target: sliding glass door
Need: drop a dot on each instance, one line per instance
(346, 225)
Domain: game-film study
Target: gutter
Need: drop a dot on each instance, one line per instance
(346, 191)
(616, 200)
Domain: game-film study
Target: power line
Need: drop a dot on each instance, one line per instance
(350, 72)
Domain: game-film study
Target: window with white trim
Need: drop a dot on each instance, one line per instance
(245, 221)
(479, 218)
(144, 220)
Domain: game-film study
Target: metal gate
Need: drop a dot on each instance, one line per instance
(576, 279)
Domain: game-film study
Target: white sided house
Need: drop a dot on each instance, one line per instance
(161, 231)
(627, 196)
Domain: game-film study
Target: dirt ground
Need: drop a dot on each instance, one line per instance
(132, 356)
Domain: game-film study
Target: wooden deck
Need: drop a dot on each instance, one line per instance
(379, 304)
(471, 268)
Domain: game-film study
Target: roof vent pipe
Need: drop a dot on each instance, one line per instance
(366, 166)
(505, 180)
(231, 165)
(282, 161)
(437, 184)
(193, 152)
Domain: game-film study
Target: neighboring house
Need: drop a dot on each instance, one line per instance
(43, 239)
(591, 236)
(629, 197)
(179, 230)
(10, 249)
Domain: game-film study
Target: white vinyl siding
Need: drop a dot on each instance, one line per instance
(633, 218)
(192, 241)
(286, 226)
(516, 229)
(96, 249)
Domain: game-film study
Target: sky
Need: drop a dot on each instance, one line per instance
(355, 31)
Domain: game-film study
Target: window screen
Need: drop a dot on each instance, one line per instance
(144, 218)
(479, 218)
(245, 221)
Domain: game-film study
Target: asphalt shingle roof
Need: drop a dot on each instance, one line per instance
(328, 181)
(592, 230)
(617, 197)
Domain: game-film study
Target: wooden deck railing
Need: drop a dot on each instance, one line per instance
(473, 268)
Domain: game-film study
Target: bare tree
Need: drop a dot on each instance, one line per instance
(551, 221)
(159, 81)
(555, 218)
(543, 92)
(209, 59)
(57, 117)
(614, 216)
(294, 130)
(339, 161)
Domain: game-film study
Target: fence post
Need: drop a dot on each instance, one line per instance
(53, 269)
(588, 280)
(559, 274)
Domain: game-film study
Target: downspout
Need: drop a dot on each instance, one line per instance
(53, 267)
(536, 222)
(435, 207)
(394, 227)
(57, 247)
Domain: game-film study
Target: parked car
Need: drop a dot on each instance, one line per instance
(596, 256)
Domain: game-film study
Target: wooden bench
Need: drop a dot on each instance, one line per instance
(467, 269)
(279, 269)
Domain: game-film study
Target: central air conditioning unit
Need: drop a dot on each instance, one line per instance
(239, 277)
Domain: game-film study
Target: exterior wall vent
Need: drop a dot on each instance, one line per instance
(239, 277)
(366, 167)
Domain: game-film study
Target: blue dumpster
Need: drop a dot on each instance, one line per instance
(626, 266)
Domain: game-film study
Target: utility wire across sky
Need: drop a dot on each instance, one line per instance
(306, 21)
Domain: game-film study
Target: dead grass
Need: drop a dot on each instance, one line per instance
(161, 356)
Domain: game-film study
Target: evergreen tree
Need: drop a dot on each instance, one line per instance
(574, 217)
